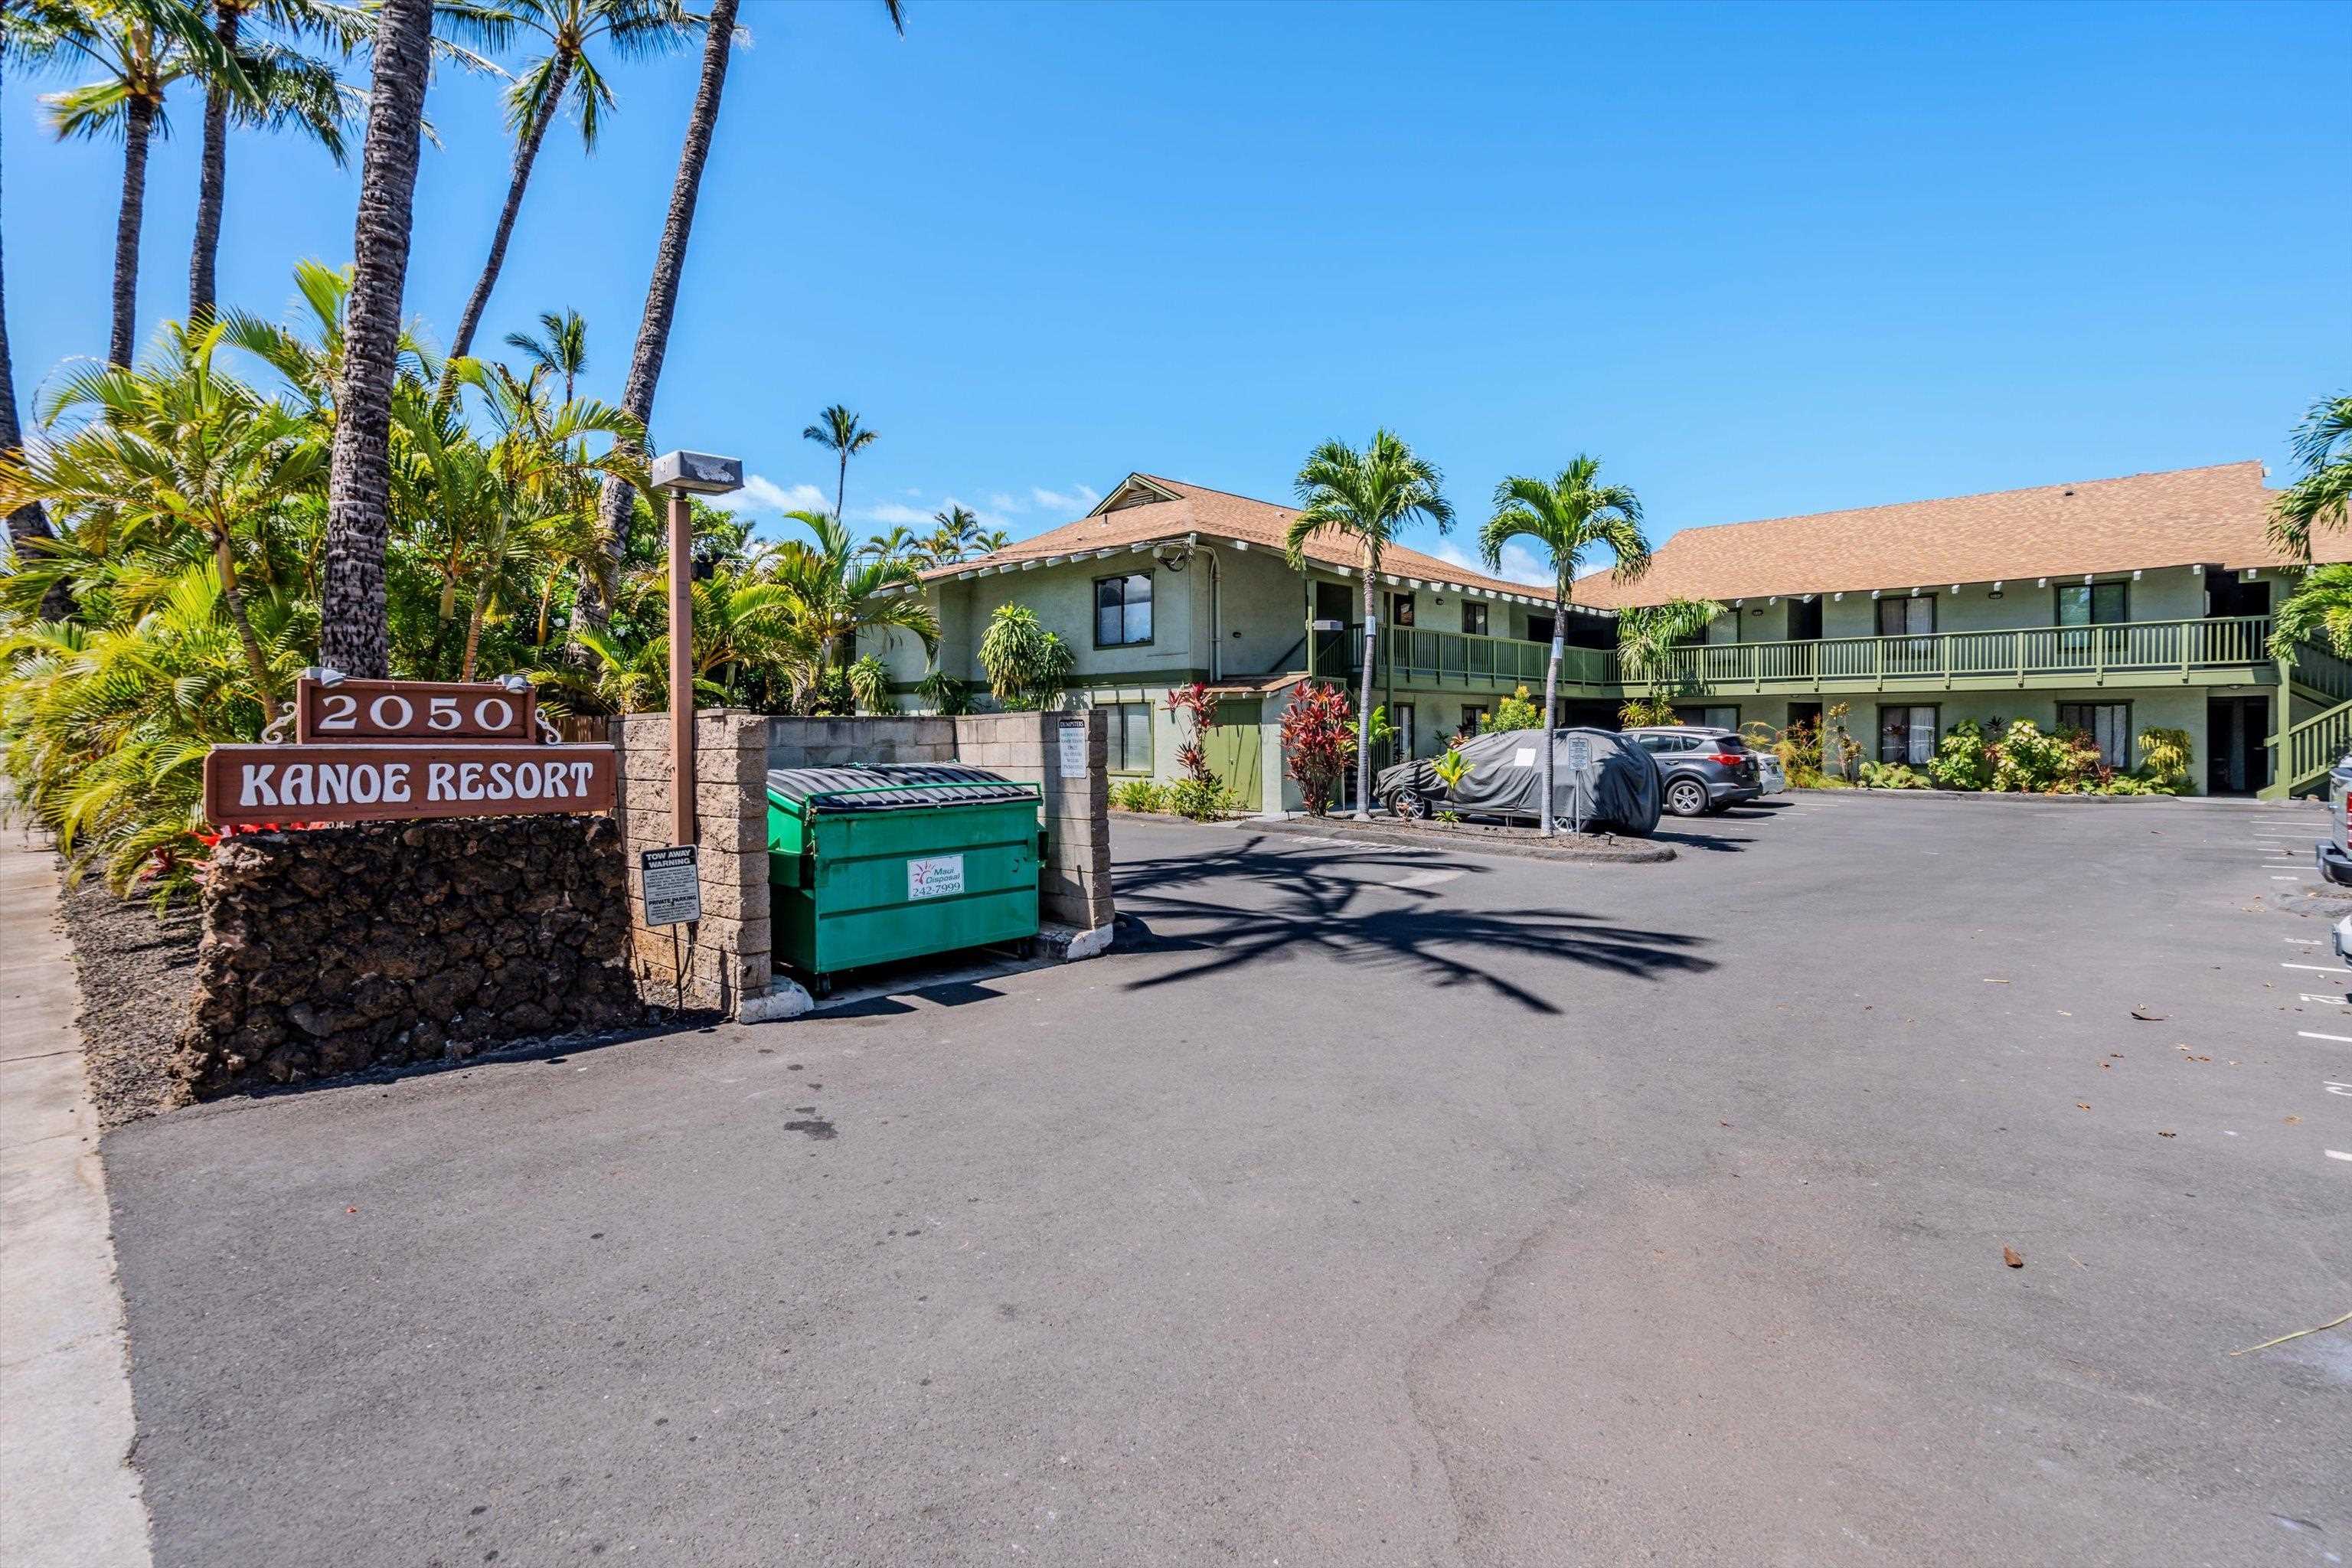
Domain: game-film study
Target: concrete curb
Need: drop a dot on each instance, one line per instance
(73, 1496)
(1603, 851)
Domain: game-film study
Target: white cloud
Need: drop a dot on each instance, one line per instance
(1003, 502)
(890, 512)
(1521, 563)
(761, 493)
(1078, 501)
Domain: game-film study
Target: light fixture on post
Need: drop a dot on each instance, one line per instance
(685, 474)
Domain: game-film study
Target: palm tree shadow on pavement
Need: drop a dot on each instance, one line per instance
(1258, 902)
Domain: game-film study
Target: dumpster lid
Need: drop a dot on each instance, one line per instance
(893, 787)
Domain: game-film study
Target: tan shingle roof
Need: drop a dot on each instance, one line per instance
(1216, 515)
(2214, 515)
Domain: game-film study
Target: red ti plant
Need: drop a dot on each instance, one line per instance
(1194, 705)
(1318, 741)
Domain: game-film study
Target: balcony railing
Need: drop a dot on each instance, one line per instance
(2138, 650)
(2141, 649)
(1426, 658)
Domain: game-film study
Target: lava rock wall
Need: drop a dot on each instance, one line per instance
(329, 949)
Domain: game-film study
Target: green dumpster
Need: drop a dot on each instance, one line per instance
(867, 865)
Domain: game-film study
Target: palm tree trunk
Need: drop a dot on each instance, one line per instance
(27, 521)
(354, 636)
(526, 154)
(661, 302)
(255, 663)
(138, 127)
(841, 485)
(473, 636)
(1551, 694)
(212, 183)
(1364, 699)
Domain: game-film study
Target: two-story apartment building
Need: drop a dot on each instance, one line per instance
(2110, 605)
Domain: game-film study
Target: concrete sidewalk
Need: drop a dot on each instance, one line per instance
(73, 1497)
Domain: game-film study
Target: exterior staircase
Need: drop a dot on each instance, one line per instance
(2307, 749)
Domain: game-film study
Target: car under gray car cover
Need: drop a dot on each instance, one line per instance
(1617, 788)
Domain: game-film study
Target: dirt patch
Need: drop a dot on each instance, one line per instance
(136, 973)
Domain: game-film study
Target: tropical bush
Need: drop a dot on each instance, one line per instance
(1892, 775)
(1139, 794)
(1318, 741)
(1028, 667)
(1203, 800)
(1451, 769)
(1965, 756)
(2165, 759)
(2031, 761)
(1517, 712)
(1646, 712)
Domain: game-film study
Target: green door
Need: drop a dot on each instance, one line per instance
(1234, 748)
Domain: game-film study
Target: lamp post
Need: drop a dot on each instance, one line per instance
(683, 474)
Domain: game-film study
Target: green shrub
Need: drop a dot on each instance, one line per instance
(2165, 758)
(1516, 711)
(2029, 762)
(1203, 800)
(1964, 757)
(1139, 794)
(1892, 775)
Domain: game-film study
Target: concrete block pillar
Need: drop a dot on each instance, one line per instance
(728, 956)
(1074, 884)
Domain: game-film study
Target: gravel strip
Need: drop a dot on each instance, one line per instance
(136, 973)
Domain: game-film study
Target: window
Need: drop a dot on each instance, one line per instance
(2108, 724)
(1804, 620)
(1123, 610)
(1473, 619)
(1719, 718)
(1473, 718)
(1906, 735)
(1403, 722)
(1540, 627)
(2092, 603)
(1401, 610)
(1907, 616)
(1130, 728)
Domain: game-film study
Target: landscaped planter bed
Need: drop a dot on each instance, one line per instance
(1600, 848)
(2001, 795)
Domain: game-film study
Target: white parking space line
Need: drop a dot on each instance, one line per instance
(2332, 1001)
(2286, 879)
(2339, 1040)
(2323, 968)
(2338, 1154)
(2303, 938)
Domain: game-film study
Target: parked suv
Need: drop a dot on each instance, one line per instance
(1700, 770)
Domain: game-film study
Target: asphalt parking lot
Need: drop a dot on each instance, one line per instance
(1370, 1206)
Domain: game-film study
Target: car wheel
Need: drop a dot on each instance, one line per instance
(1408, 804)
(1687, 797)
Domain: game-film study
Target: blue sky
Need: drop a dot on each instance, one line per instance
(1761, 259)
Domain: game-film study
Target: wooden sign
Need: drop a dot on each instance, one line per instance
(378, 711)
(250, 785)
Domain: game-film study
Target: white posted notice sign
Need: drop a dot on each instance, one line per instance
(935, 877)
(1072, 734)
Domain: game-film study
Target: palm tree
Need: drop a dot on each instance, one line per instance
(140, 48)
(669, 265)
(1368, 497)
(564, 352)
(2322, 496)
(632, 29)
(26, 38)
(956, 536)
(177, 455)
(1567, 517)
(899, 545)
(2318, 611)
(289, 89)
(833, 598)
(838, 431)
(355, 632)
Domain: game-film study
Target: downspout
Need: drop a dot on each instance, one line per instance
(1216, 606)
